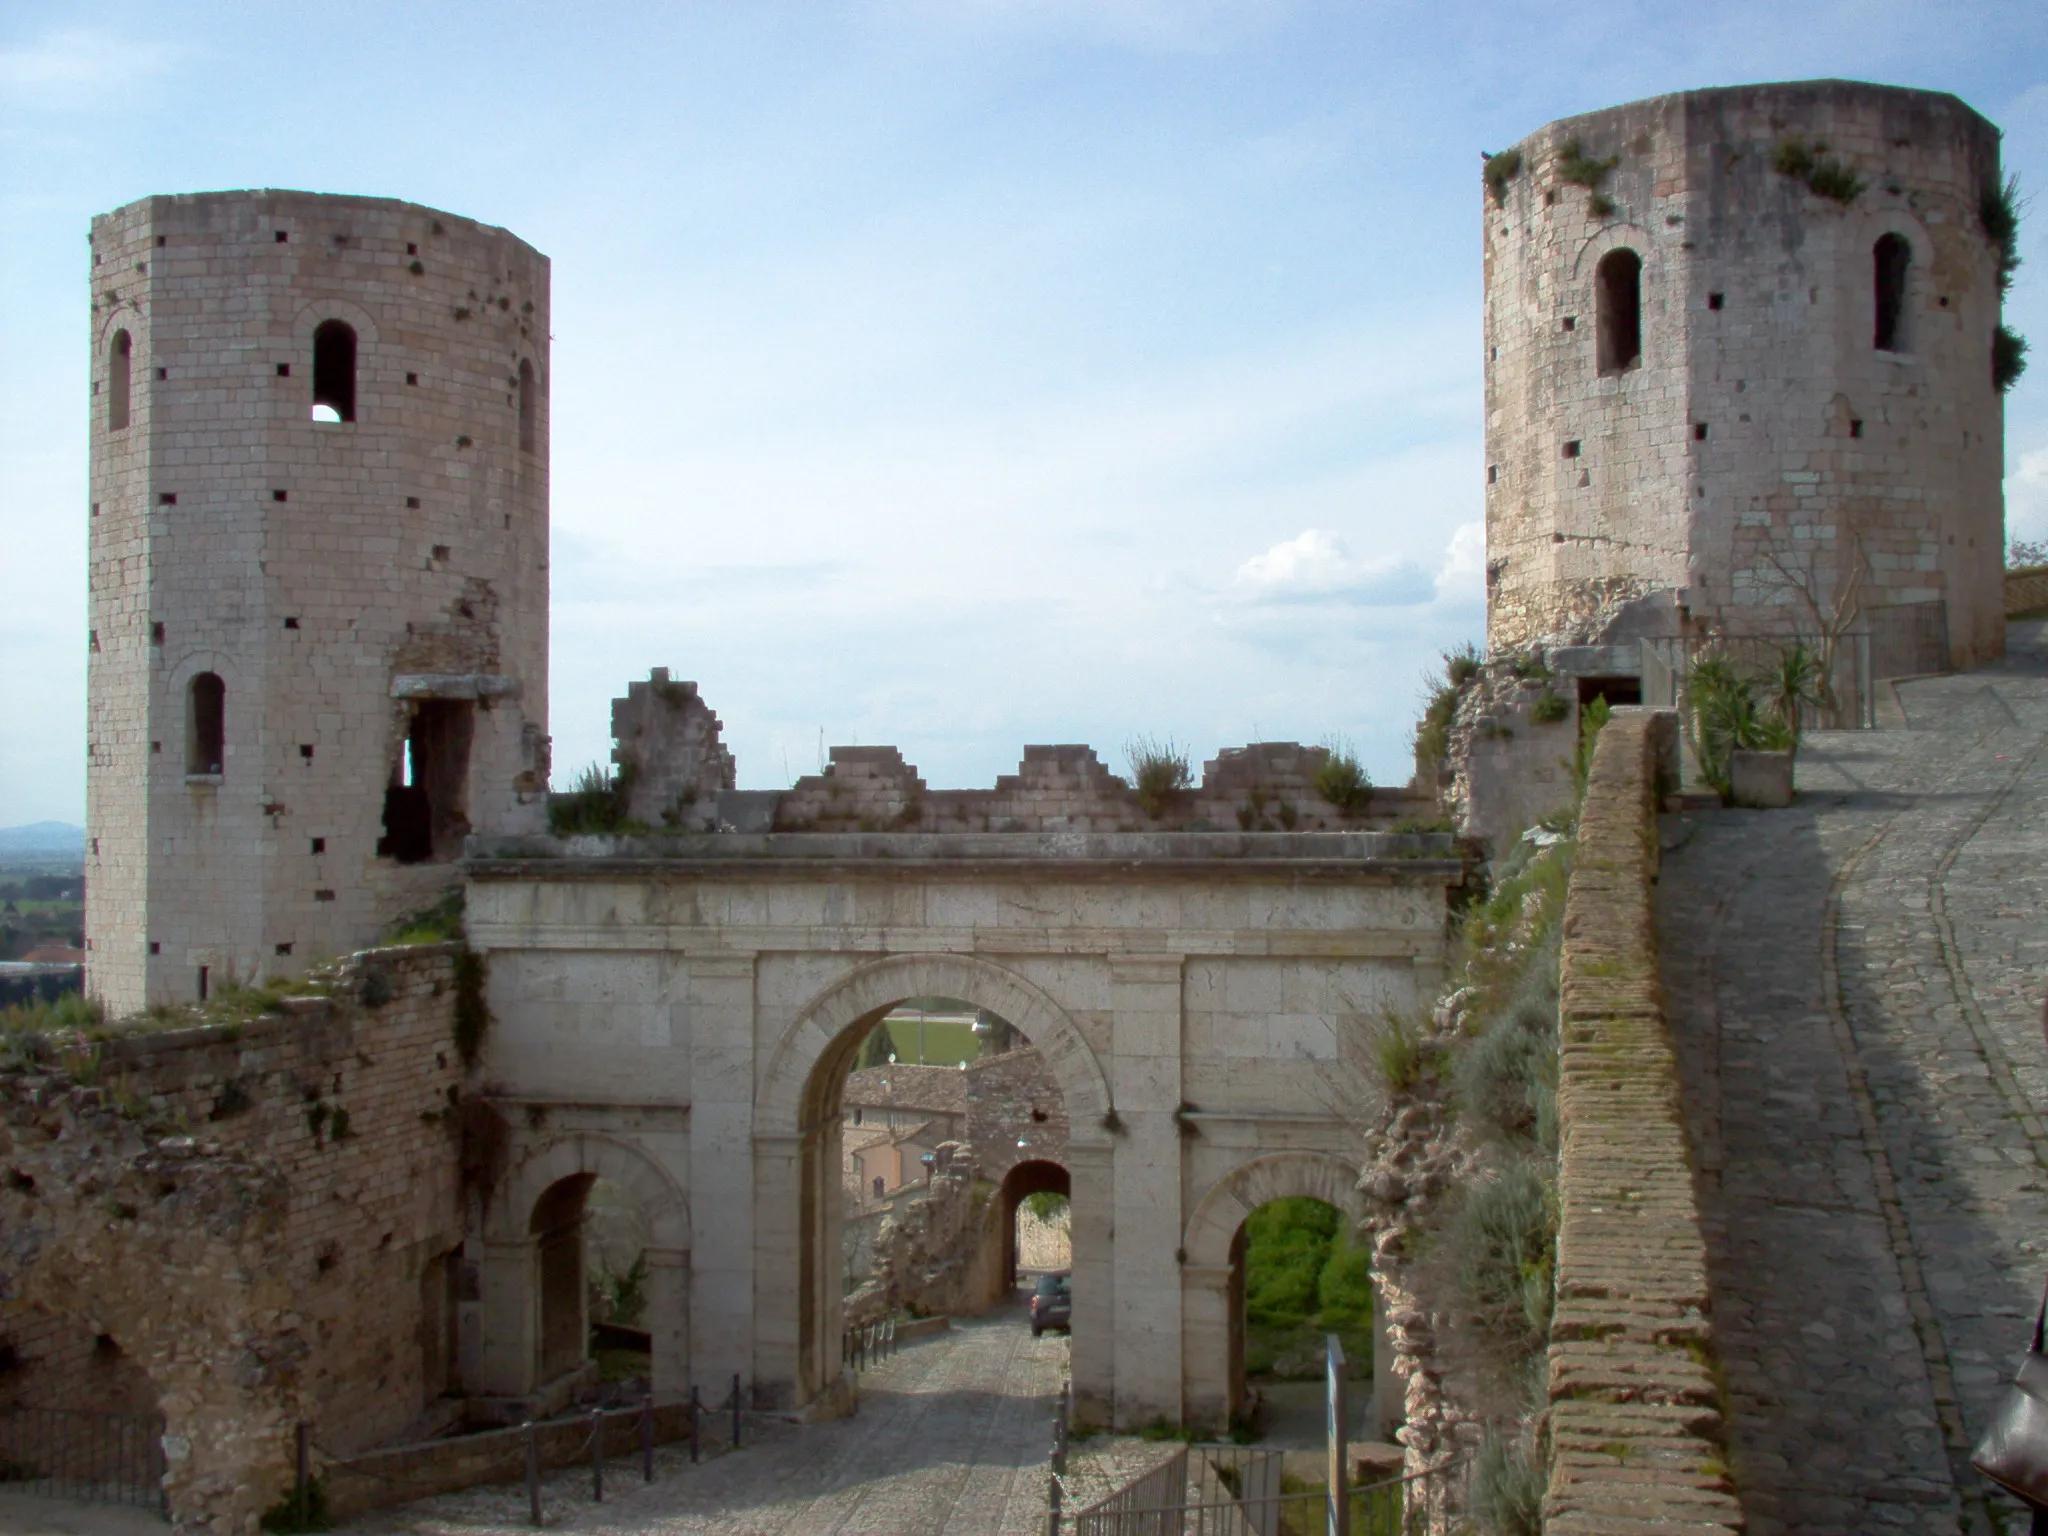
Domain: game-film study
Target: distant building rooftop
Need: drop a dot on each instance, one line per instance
(931, 1090)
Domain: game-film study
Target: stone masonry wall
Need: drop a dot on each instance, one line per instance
(1011, 1098)
(668, 749)
(1635, 1422)
(327, 1143)
(1264, 787)
(2026, 590)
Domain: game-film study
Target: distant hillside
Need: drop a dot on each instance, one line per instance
(43, 840)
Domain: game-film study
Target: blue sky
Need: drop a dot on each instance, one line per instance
(951, 373)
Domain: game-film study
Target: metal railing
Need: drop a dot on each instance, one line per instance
(862, 1347)
(1231, 1490)
(105, 1458)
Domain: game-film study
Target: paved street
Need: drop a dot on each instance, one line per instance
(951, 1439)
(1856, 986)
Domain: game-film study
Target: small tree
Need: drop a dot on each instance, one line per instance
(1834, 603)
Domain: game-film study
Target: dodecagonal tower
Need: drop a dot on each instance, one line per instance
(1739, 349)
(318, 554)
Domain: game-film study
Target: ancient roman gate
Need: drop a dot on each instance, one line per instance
(677, 1014)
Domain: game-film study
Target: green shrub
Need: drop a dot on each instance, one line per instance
(1998, 208)
(439, 924)
(1580, 169)
(1794, 683)
(1500, 170)
(1046, 1205)
(1507, 1078)
(2008, 357)
(1463, 664)
(1550, 707)
(597, 803)
(1722, 708)
(1287, 1244)
(1399, 1053)
(1440, 706)
(1591, 720)
(1158, 770)
(1342, 780)
(1802, 161)
(1507, 1487)
(1502, 1239)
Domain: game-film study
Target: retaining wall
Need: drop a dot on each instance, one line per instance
(2026, 590)
(1635, 1422)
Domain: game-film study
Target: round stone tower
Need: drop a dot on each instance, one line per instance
(1739, 365)
(318, 549)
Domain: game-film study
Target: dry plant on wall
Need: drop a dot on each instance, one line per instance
(1833, 600)
(1159, 770)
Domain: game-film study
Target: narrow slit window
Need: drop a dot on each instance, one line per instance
(334, 371)
(1892, 261)
(1619, 284)
(120, 358)
(529, 407)
(205, 724)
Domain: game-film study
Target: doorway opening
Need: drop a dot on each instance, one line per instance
(426, 804)
(1295, 1275)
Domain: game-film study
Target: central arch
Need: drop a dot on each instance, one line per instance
(797, 1115)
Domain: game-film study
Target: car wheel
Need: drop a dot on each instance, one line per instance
(1036, 1330)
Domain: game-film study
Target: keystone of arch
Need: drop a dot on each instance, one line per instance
(571, 1153)
(1276, 1176)
(880, 984)
(313, 313)
(1612, 237)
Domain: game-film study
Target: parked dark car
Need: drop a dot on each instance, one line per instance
(1052, 1304)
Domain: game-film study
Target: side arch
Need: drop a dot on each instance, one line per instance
(779, 1101)
(570, 1153)
(1278, 1175)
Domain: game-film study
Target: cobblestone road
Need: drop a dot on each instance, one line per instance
(951, 1439)
(1856, 987)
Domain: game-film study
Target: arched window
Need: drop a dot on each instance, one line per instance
(119, 355)
(1618, 306)
(205, 724)
(529, 407)
(1892, 263)
(334, 371)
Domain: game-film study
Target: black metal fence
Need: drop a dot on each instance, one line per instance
(1233, 1490)
(105, 1458)
(861, 1347)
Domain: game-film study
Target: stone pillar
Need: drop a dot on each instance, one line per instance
(508, 1275)
(787, 1296)
(668, 1319)
(718, 1022)
(1092, 1193)
(1145, 999)
(1205, 1346)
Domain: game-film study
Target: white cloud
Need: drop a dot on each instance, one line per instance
(2026, 497)
(1462, 576)
(1315, 567)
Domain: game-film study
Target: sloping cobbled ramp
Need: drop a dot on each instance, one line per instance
(952, 1438)
(1855, 988)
